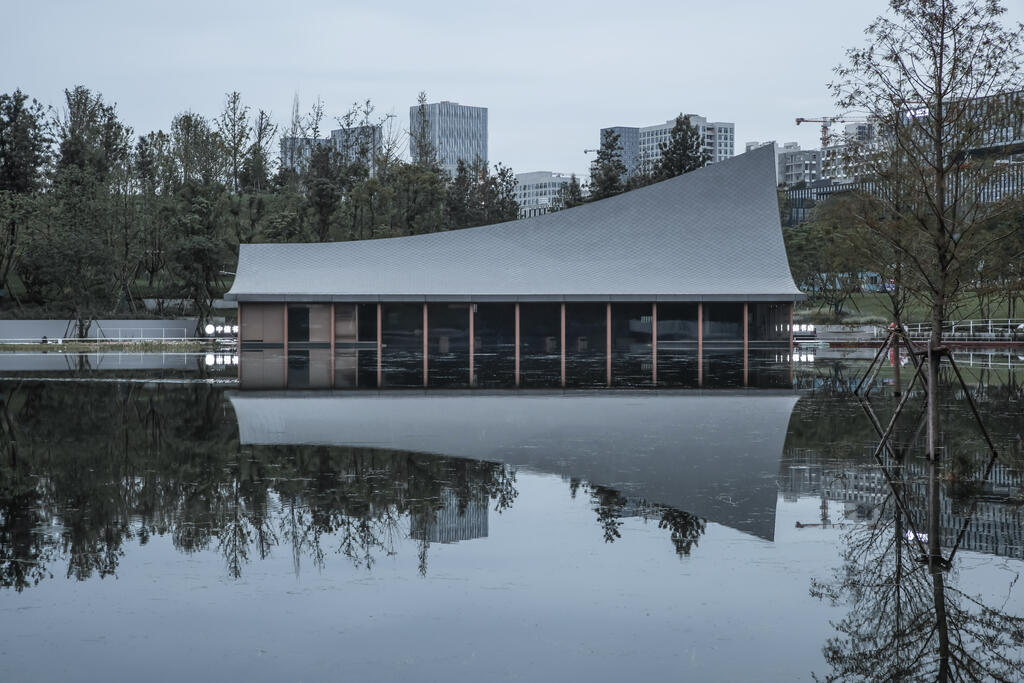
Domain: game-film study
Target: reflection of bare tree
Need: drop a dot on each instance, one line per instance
(906, 619)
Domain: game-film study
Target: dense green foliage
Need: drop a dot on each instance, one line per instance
(608, 174)
(94, 217)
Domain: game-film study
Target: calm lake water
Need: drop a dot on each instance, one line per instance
(157, 522)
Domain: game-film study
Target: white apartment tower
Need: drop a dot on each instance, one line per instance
(455, 132)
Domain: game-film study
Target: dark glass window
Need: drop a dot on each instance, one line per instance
(298, 324)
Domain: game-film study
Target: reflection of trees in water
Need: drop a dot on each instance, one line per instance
(612, 507)
(906, 618)
(86, 469)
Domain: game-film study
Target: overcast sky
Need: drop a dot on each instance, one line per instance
(550, 73)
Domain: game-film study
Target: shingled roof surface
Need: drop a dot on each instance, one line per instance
(712, 234)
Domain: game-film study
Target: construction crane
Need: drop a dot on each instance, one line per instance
(827, 121)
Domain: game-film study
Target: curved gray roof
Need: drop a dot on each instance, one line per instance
(712, 234)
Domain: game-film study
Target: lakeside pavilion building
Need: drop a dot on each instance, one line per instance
(615, 288)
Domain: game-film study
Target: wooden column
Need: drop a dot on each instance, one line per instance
(790, 330)
(561, 343)
(425, 357)
(334, 334)
(472, 343)
(239, 344)
(608, 343)
(654, 343)
(517, 344)
(284, 336)
(380, 346)
(746, 341)
(700, 343)
(791, 343)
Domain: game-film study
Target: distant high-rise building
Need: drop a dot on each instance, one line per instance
(756, 144)
(295, 151)
(358, 142)
(454, 131)
(641, 147)
(793, 165)
(452, 521)
(799, 166)
(629, 140)
(537, 191)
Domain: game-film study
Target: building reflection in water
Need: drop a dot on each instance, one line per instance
(714, 454)
(358, 472)
(452, 521)
(680, 367)
(906, 617)
(911, 522)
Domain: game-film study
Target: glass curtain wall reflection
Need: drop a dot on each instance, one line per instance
(448, 344)
(571, 344)
(494, 345)
(677, 344)
(586, 351)
(631, 331)
(402, 341)
(540, 347)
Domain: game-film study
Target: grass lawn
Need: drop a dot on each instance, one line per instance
(873, 307)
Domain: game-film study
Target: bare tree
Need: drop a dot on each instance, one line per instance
(941, 79)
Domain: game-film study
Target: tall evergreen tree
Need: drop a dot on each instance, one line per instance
(24, 150)
(608, 174)
(24, 143)
(684, 151)
(421, 146)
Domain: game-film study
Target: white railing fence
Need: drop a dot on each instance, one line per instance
(1000, 329)
(115, 334)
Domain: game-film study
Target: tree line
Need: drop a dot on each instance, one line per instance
(93, 218)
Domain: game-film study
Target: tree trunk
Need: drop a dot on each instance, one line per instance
(935, 566)
(934, 342)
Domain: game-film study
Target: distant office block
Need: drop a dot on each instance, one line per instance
(454, 131)
(352, 144)
(795, 165)
(538, 191)
(359, 143)
(296, 151)
(799, 166)
(641, 147)
(453, 521)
